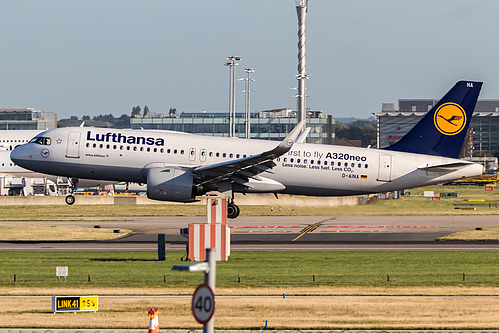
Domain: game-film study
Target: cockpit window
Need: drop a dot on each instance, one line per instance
(41, 140)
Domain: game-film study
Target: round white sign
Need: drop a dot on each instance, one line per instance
(203, 303)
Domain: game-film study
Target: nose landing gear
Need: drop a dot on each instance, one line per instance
(70, 198)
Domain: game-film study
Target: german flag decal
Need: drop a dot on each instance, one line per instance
(363, 177)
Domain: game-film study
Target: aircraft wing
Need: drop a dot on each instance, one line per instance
(241, 169)
(449, 167)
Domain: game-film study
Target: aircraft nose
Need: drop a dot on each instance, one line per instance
(20, 155)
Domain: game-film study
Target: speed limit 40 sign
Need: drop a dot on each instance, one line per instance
(203, 303)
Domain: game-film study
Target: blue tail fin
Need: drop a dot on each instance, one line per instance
(442, 130)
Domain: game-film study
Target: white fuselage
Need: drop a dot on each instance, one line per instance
(307, 169)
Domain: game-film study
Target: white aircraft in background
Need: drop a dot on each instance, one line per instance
(9, 139)
(9, 168)
(178, 166)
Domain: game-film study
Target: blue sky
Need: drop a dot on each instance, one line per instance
(99, 57)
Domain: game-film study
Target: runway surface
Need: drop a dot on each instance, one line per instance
(284, 233)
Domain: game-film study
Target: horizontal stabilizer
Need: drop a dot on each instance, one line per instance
(445, 167)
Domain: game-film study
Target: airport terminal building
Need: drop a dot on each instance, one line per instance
(265, 125)
(27, 119)
(394, 124)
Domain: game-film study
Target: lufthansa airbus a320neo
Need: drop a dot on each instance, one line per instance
(178, 166)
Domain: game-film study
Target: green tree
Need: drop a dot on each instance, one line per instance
(363, 130)
(136, 112)
(146, 111)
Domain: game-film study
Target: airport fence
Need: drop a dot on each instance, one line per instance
(244, 281)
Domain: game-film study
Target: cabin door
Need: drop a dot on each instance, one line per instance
(73, 147)
(385, 168)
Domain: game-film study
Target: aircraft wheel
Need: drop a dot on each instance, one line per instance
(232, 211)
(70, 199)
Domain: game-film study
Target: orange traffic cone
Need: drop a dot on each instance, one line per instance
(154, 321)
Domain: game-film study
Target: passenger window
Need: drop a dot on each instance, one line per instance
(325, 162)
(291, 160)
(141, 148)
(88, 144)
(224, 155)
(175, 151)
(237, 156)
(181, 152)
(95, 145)
(168, 150)
(135, 148)
(297, 160)
(231, 155)
(305, 161)
(101, 145)
(148, 149)
(311, 161)
(217, 154)
(155, 149)
(367, 165)
(127, 147)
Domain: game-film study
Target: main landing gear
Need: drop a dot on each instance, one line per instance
(232, 210)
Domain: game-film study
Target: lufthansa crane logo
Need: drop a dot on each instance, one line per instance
(450, 119)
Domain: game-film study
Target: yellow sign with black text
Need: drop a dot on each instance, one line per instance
(75, 303)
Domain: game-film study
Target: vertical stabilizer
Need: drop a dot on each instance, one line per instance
(442, 130)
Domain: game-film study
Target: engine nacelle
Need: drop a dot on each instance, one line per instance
(170, 184)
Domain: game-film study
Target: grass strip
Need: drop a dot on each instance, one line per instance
(485, 234)
(41, 232)
(366, 313)
(254, 269)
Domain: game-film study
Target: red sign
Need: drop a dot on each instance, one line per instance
(435, 198)
(203, 304)
(489, 188)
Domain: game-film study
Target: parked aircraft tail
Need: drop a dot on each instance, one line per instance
(442, 130)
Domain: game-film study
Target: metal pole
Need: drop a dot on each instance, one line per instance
(248, 120)
(233, 99)
(301, 11)
(248, 106)
(230, 98)
(210, 279)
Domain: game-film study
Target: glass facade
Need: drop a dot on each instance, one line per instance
(26, 119)
(218, 125)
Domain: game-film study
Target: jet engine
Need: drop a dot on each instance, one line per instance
(170, 184)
